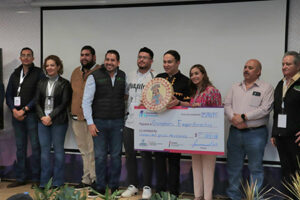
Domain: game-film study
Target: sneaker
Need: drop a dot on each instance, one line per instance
(130, 191)
(146, 192)
(93, 194)
(81, 186)
(16, 184)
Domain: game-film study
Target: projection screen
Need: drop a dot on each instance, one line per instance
(220, 36)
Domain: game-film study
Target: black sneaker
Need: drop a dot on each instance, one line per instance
(94, 193)
(81, 186)
(16, 184)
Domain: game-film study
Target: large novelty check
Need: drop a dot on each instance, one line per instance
(180, 130)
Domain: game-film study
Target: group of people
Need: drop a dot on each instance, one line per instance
(102, 100)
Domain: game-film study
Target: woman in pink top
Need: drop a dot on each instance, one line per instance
(203, 94)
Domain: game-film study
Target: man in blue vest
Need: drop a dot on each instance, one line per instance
(104, 109)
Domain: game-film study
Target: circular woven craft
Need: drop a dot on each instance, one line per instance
(157, 94)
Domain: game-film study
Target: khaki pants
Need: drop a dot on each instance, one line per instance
(203, 175)
(86, 147)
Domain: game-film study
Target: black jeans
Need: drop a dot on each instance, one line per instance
(163, 181)
(131, 160)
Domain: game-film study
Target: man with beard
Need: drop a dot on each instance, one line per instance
(247, 106)
(136, 83)
(79, 125)
(104, 109)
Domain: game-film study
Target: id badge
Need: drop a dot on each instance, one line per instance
(49, 105)
(17, 101)
(282, 118)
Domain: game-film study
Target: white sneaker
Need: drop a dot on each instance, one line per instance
(130, 191)
(146, 192)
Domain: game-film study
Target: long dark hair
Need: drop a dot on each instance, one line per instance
(205, 81)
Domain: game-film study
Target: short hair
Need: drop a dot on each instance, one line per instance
(26, 48)
(147, 50)
(90, 48)
(115, 52)
(57, 61)
(295, 55)
(174, 53)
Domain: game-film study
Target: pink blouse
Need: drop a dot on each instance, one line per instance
(210, 97)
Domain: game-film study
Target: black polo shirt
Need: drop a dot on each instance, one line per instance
(180, 85)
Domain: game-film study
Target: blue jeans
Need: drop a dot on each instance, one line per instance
(48, 135)
(109, 139)
(23, 130)
(241, 143)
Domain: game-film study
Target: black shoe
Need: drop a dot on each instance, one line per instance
(16, 184)
(81, 186)
(93, 194)
(34, 184)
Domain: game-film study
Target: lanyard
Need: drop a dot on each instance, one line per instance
(51, 86)
(21, 81)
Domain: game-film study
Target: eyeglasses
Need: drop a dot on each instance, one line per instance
(143, 57)
(26, 55)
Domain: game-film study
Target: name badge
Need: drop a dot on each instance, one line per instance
(49, 104)
(17, 101)
(282, 118)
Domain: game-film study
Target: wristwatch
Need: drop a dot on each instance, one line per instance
(243, 116)
(24, 109)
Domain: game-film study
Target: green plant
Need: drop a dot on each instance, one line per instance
(251, 192)
(293, 187)
(107, 196)
(44, 193)
(166, 196)
(62, 193)
(69, 193)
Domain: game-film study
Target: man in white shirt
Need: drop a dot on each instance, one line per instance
(136, 83)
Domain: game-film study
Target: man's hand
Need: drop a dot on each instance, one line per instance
(93, 130)
(46, 120)
(174, 102)
(18, 114)
(237, 119)
(298, 138)
(273, 141)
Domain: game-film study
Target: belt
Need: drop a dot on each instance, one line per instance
(74, 117)
(250, 128)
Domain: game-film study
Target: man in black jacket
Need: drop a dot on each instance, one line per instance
(286, 124)
(171, 181)
(20, 94)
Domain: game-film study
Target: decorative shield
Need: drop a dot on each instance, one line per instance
(157, 94)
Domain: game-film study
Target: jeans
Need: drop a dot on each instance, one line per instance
(52, 135)
(241, 143)
(131, 160)
(23, 130)
(109, 139)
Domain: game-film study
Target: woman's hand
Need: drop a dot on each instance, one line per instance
(195, 105)
(46, 120)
